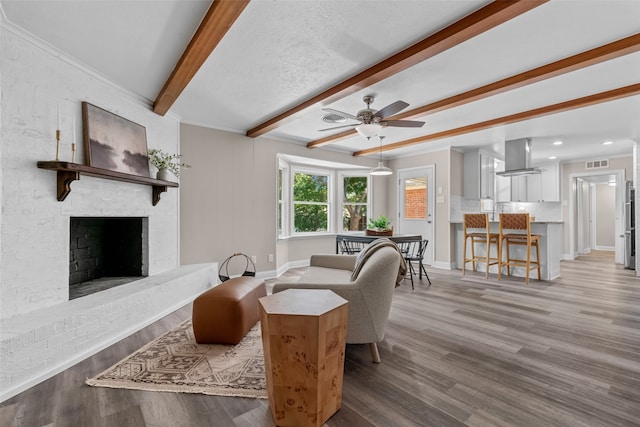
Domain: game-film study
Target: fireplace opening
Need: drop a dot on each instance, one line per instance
(105, 252)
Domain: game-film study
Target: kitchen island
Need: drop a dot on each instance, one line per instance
(550, 232)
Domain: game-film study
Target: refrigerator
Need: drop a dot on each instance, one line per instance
(629, 227)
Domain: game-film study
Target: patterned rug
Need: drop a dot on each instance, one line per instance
(176, 363)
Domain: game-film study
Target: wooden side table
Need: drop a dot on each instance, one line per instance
(304, 334)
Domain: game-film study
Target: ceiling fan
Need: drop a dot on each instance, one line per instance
(371, 121)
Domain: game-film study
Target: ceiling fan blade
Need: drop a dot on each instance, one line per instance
(391, 109)
(402, 123)
(339, 127)
(342, 113)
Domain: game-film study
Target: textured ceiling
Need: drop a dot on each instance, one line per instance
(280, 53)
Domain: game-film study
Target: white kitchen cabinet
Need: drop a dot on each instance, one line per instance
(540, 187)
(502, 183)
(519, 188)
(550, 182)
(533, 187)
(479, 175)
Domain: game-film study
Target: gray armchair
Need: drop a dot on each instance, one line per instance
(369, 294)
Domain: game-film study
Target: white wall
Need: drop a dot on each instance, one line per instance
(605, 215)
(587, 237)
(34, 225)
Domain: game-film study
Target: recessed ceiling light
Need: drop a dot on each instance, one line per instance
(552, 157)
(607, 143)
(557, 143)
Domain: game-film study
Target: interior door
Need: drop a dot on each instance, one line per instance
(416, 205)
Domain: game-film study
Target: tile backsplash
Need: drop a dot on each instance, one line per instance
(542, 211)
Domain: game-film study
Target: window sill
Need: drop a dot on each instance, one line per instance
(308, 236)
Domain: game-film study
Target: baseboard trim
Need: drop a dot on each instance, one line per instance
(270, 274)
(444, 265)
(292, 264)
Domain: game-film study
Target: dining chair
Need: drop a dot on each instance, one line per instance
(350, 248)
(413, 251)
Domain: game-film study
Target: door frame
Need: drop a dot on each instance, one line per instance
(619, 202)
(579, 184)
(431, 173)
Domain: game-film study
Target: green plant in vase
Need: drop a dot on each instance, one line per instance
(164, 161)
(380, 226)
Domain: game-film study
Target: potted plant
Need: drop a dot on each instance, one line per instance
(166, 163)
(380, 226)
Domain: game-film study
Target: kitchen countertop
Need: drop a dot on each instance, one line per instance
(550, 246)
(532, 222)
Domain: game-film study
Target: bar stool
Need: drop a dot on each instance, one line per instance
(479, 224)
(519, 227)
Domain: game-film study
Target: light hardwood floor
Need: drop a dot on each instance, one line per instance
(466, 351)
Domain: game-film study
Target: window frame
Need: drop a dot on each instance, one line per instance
(283, 198)
(335, 195)
(308, 170)
(340, 206)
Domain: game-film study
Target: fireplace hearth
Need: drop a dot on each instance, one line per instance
(105, 252)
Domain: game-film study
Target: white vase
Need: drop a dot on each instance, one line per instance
(164, 174)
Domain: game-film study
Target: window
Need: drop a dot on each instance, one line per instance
(311, 205)
(355, 191)
(320, 197)
(415, 198)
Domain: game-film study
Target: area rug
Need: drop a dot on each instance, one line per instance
(176, 363)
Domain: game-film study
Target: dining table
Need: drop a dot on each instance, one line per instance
(366, 239)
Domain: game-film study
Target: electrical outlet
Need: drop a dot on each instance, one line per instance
(254, 259)
(270, 258)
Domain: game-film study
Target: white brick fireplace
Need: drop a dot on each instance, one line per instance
(41, 330)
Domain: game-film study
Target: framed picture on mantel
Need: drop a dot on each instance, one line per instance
(114, 143)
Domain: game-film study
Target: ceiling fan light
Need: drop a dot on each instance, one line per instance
(381, 169)
(368, 130)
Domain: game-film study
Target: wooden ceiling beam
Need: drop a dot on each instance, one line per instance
(590, 57)
(466, 28)
(215, 24)
(573, 104)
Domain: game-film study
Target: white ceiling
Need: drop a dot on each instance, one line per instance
(281, 52)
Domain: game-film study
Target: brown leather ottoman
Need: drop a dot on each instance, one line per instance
(224, 314)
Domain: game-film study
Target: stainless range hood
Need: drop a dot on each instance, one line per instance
(517, 158)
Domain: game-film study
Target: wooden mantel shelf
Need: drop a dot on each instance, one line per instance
(69, 172)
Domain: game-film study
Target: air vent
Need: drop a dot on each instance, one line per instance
(333, 118)
(597, 164)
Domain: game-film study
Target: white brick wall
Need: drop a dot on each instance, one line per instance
(40, 330)
(35, 226)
